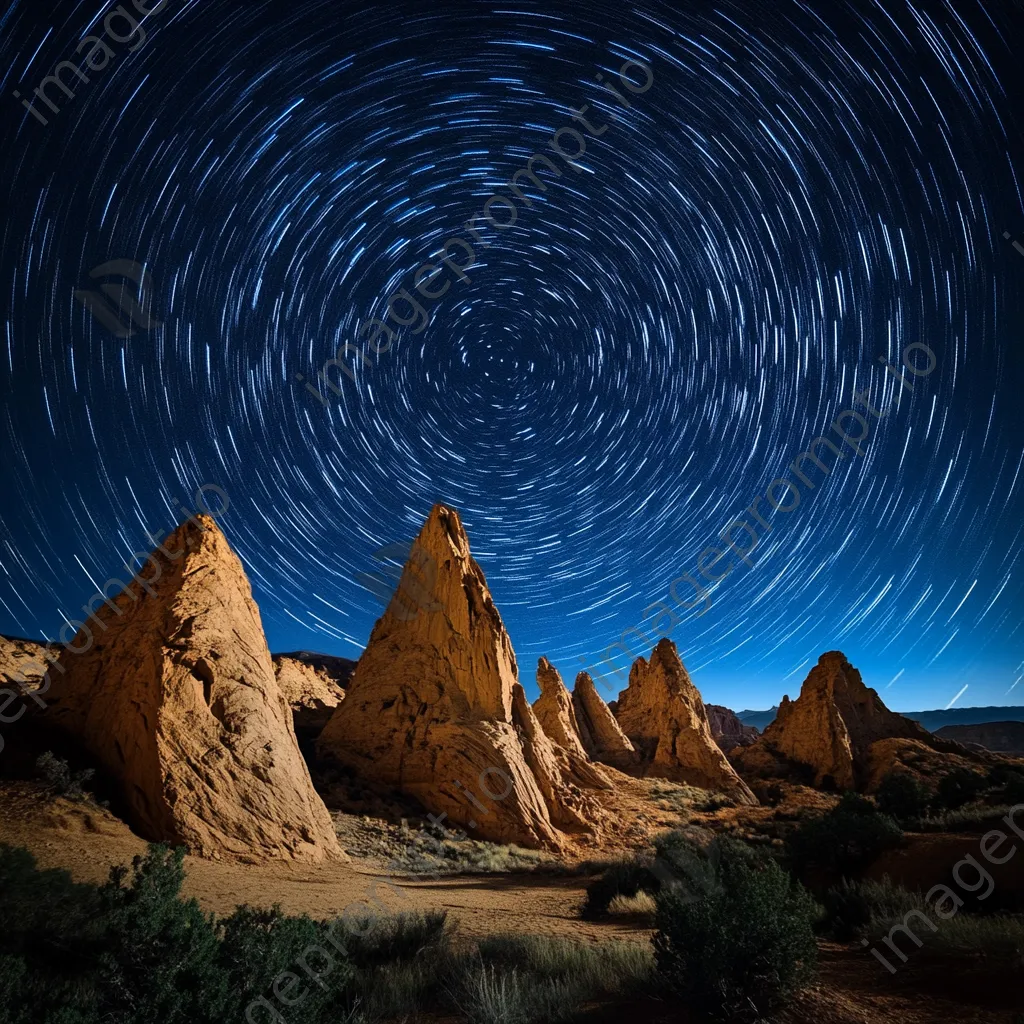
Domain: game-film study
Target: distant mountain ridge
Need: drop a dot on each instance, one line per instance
(931, 720)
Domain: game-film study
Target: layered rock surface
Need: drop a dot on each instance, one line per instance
(174, 692)
(729, 732)
(554, 710)
(601, 735)
(662, 713)
(434, 708)
(313, 686)
(832, 725)
(21, 662)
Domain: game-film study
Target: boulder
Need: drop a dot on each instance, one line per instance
(600, 733)
(830, 727)
(173, 691)
(729, 732)
(435, 710)
(662, 713)
(554, 710)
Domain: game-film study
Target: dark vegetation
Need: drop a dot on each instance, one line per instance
(133, 951)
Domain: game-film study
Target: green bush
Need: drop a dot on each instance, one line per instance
(903, 796)
(132, 951)
(59, 780)
(742, 947)
(959, 787)
(845, 839)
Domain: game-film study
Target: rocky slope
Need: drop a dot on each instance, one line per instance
(174, 693)
(434, 708)
(313, 686)
(662, 713)
(729, 732)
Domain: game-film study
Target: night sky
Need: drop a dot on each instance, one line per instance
(799, 190)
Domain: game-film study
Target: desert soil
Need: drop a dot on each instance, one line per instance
(88, 840)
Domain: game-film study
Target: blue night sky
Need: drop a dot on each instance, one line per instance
(630, 362)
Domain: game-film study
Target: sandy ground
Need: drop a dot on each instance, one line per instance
(852, 989)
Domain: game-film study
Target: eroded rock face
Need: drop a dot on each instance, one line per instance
(174, 692)
(21, 662)
(833, 723)
(312, 689)
(554, 710)
(729, 732)
(600, 733)
(434, 707)
(662, 713)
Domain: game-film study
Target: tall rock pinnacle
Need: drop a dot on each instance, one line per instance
(174, 692)
(434, 707)
(663, 714)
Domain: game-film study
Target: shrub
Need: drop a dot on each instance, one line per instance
(715, 802)
(958, 787)
(903, 796)
(850, 907)
(742, 947)
(625, 878)
(59, 780)
(845, 839)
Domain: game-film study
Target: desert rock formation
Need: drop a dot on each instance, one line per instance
(311, 689)
(174, 693)
(602, 737)
(662, 713)
(833, 723)
(728, 731)
(554, 710)
(21, 662)
(434, 709)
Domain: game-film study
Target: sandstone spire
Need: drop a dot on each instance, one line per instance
(602, 737)
(554, 710)
(661, 711)
(174, 693)
(833, 723)
(434, 707)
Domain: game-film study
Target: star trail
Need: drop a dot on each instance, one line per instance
(805, 198)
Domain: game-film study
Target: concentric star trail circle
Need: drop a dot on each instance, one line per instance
(805, 187)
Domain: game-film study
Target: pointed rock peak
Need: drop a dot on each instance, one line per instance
(435, 700)
(599, 732)
(662, 713)
(831, 726)
(443, 527)
(548, 677)
(177, 698)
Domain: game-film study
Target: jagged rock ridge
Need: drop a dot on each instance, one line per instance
(662, 713)
(176, 696)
